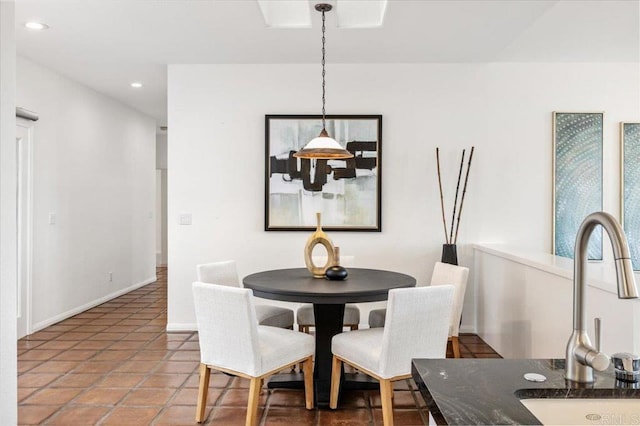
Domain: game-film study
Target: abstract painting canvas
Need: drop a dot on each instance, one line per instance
(577, 183)
(346, 192)
(630, 191)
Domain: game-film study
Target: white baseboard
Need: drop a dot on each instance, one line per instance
(75, 311)
(181, 327)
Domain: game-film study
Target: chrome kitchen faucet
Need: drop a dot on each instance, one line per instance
(581, 357)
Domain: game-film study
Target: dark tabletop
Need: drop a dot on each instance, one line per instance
(488, 391)
(298, 285)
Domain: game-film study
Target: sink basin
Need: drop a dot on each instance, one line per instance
(584, 411)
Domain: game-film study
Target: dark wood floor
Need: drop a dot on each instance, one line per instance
(115, 365)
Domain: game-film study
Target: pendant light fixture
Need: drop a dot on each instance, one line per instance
(324, 146)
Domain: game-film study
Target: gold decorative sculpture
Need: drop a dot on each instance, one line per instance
(318, 237)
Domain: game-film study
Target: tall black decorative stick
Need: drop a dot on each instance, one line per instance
(455, 202)
(464, 191)
(444, 221)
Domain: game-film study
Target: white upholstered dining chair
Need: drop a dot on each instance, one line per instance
(225, 273)
(231, 341)
(304, 314)
(416, 326)
(443, 274)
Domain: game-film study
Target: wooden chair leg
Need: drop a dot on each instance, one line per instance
(301, 328)
(336, 369)
(354, 327)
(252, 406)
(307, 368)
(386, 395)
(455, 345)
(203, 389)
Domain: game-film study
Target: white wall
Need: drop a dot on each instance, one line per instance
(161, 199)
(216, 149)
(94, 167)
(525, 304)
(8, 223)
(518, 179)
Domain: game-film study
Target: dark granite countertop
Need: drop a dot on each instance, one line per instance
(488, 391)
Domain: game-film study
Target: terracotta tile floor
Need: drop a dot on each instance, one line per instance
(115, 365)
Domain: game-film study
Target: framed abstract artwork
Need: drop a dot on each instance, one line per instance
(577, 179)
(630, 187)
(346, 192)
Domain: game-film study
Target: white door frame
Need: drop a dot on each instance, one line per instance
(24, 241)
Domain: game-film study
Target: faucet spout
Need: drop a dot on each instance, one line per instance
(581, 356)
(627, 288)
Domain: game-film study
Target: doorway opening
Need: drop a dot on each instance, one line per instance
(24, 202)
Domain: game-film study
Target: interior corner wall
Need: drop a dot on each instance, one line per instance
(216, 151)
(161, 151)
(161, 199)
(8, 219)
(94, 170)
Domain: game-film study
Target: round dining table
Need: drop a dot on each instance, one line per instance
(328, 299)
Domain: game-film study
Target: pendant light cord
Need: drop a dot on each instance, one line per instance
(323, 147)
(323, 72)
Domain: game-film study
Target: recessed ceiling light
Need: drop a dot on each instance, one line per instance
(37, 26)
(136, 85)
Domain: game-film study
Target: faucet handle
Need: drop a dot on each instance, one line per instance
(597, 359)
(598, 330)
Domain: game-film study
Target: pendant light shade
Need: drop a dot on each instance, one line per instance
(324, 146)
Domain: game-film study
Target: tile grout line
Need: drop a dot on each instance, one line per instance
(163, 409)
(83, 362)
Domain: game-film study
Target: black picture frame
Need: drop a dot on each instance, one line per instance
(346, 192)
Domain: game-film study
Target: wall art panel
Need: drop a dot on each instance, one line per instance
(577, 183)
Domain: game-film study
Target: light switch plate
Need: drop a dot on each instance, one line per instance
(52, 218)
(185, 218)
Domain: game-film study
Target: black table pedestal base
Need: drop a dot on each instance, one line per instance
(328, 320)
(286, 381)
(359, 381)
(350, 382)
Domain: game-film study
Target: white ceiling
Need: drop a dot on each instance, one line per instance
(106, 44)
